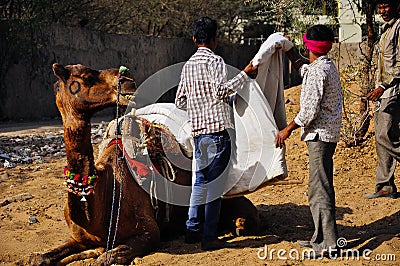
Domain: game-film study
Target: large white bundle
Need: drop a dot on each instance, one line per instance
(259, 111)
(254, 158)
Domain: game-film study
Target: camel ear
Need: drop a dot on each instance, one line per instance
(61, 72)
(90, 76)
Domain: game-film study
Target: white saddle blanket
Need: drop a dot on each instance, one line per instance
(175, 119)
(254, 159)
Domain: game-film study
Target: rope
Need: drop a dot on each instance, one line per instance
(119, 201)
(153, 192)
(168, 163)
(117, 130)
(108, 258)
(167, 169)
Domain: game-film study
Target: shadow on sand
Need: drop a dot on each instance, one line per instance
(291, 222)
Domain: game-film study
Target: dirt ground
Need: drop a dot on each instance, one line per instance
(36, 190)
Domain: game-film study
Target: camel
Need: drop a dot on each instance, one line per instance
(80, 92)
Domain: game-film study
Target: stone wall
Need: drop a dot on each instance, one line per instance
(26, 80)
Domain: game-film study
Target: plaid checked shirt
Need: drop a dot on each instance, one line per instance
(204, 91)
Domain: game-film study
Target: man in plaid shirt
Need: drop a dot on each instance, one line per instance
(204, 92)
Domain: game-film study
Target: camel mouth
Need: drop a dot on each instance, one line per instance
(126, 99)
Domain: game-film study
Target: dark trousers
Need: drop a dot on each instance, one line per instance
(387, 136)
(212, 154)
(321, 195)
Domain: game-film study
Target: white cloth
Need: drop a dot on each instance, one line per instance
(270, 74)
(259, 112)
(255, 160)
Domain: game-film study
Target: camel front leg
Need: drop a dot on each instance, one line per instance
(53, 256)
(87, 254)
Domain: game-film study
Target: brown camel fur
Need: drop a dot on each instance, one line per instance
(81, 91)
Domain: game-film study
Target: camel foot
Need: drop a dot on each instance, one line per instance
(36, 259)
(120, 255)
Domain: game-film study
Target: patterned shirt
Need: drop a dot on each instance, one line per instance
(204, 91)
(388, 76)
(320, 101)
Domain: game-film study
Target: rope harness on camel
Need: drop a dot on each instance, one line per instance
(151, 136)
(155, 141)
(121, 71)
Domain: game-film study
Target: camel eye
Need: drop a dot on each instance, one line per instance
(75, 87)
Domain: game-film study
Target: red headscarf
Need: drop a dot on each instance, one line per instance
(318, 47)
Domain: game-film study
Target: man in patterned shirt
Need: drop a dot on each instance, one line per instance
(204, 91)
(387, 115)
(320, 118)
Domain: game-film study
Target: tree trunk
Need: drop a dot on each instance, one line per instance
(367, 82)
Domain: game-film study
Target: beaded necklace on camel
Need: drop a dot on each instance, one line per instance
(79, 185)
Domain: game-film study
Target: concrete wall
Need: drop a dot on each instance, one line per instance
(26, 91)
(26, 88)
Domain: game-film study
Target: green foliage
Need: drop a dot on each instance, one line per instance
(167, 18)
(294, 17)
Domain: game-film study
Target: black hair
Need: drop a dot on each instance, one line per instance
(320, 33)
(390, 2)
(204, 29)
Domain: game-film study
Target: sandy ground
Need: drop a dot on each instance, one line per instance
(369, 226)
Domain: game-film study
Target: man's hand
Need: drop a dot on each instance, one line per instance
(281, 137)
(284, 134)
(251, 70)
(375, 94)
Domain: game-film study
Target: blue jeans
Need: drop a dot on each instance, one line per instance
(212, 154)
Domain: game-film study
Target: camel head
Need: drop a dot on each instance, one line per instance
(82, 90)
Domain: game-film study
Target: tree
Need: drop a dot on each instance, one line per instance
(161, 18)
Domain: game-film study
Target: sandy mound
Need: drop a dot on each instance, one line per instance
(33, 197)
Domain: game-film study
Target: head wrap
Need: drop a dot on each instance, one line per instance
(318, 47)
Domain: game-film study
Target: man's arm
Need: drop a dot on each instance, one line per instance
(309, 109)
(224, 87)
(284, 134)
(311, 97)
(295, 58)
(391, 79)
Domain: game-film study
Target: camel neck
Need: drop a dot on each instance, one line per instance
(78, 145)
